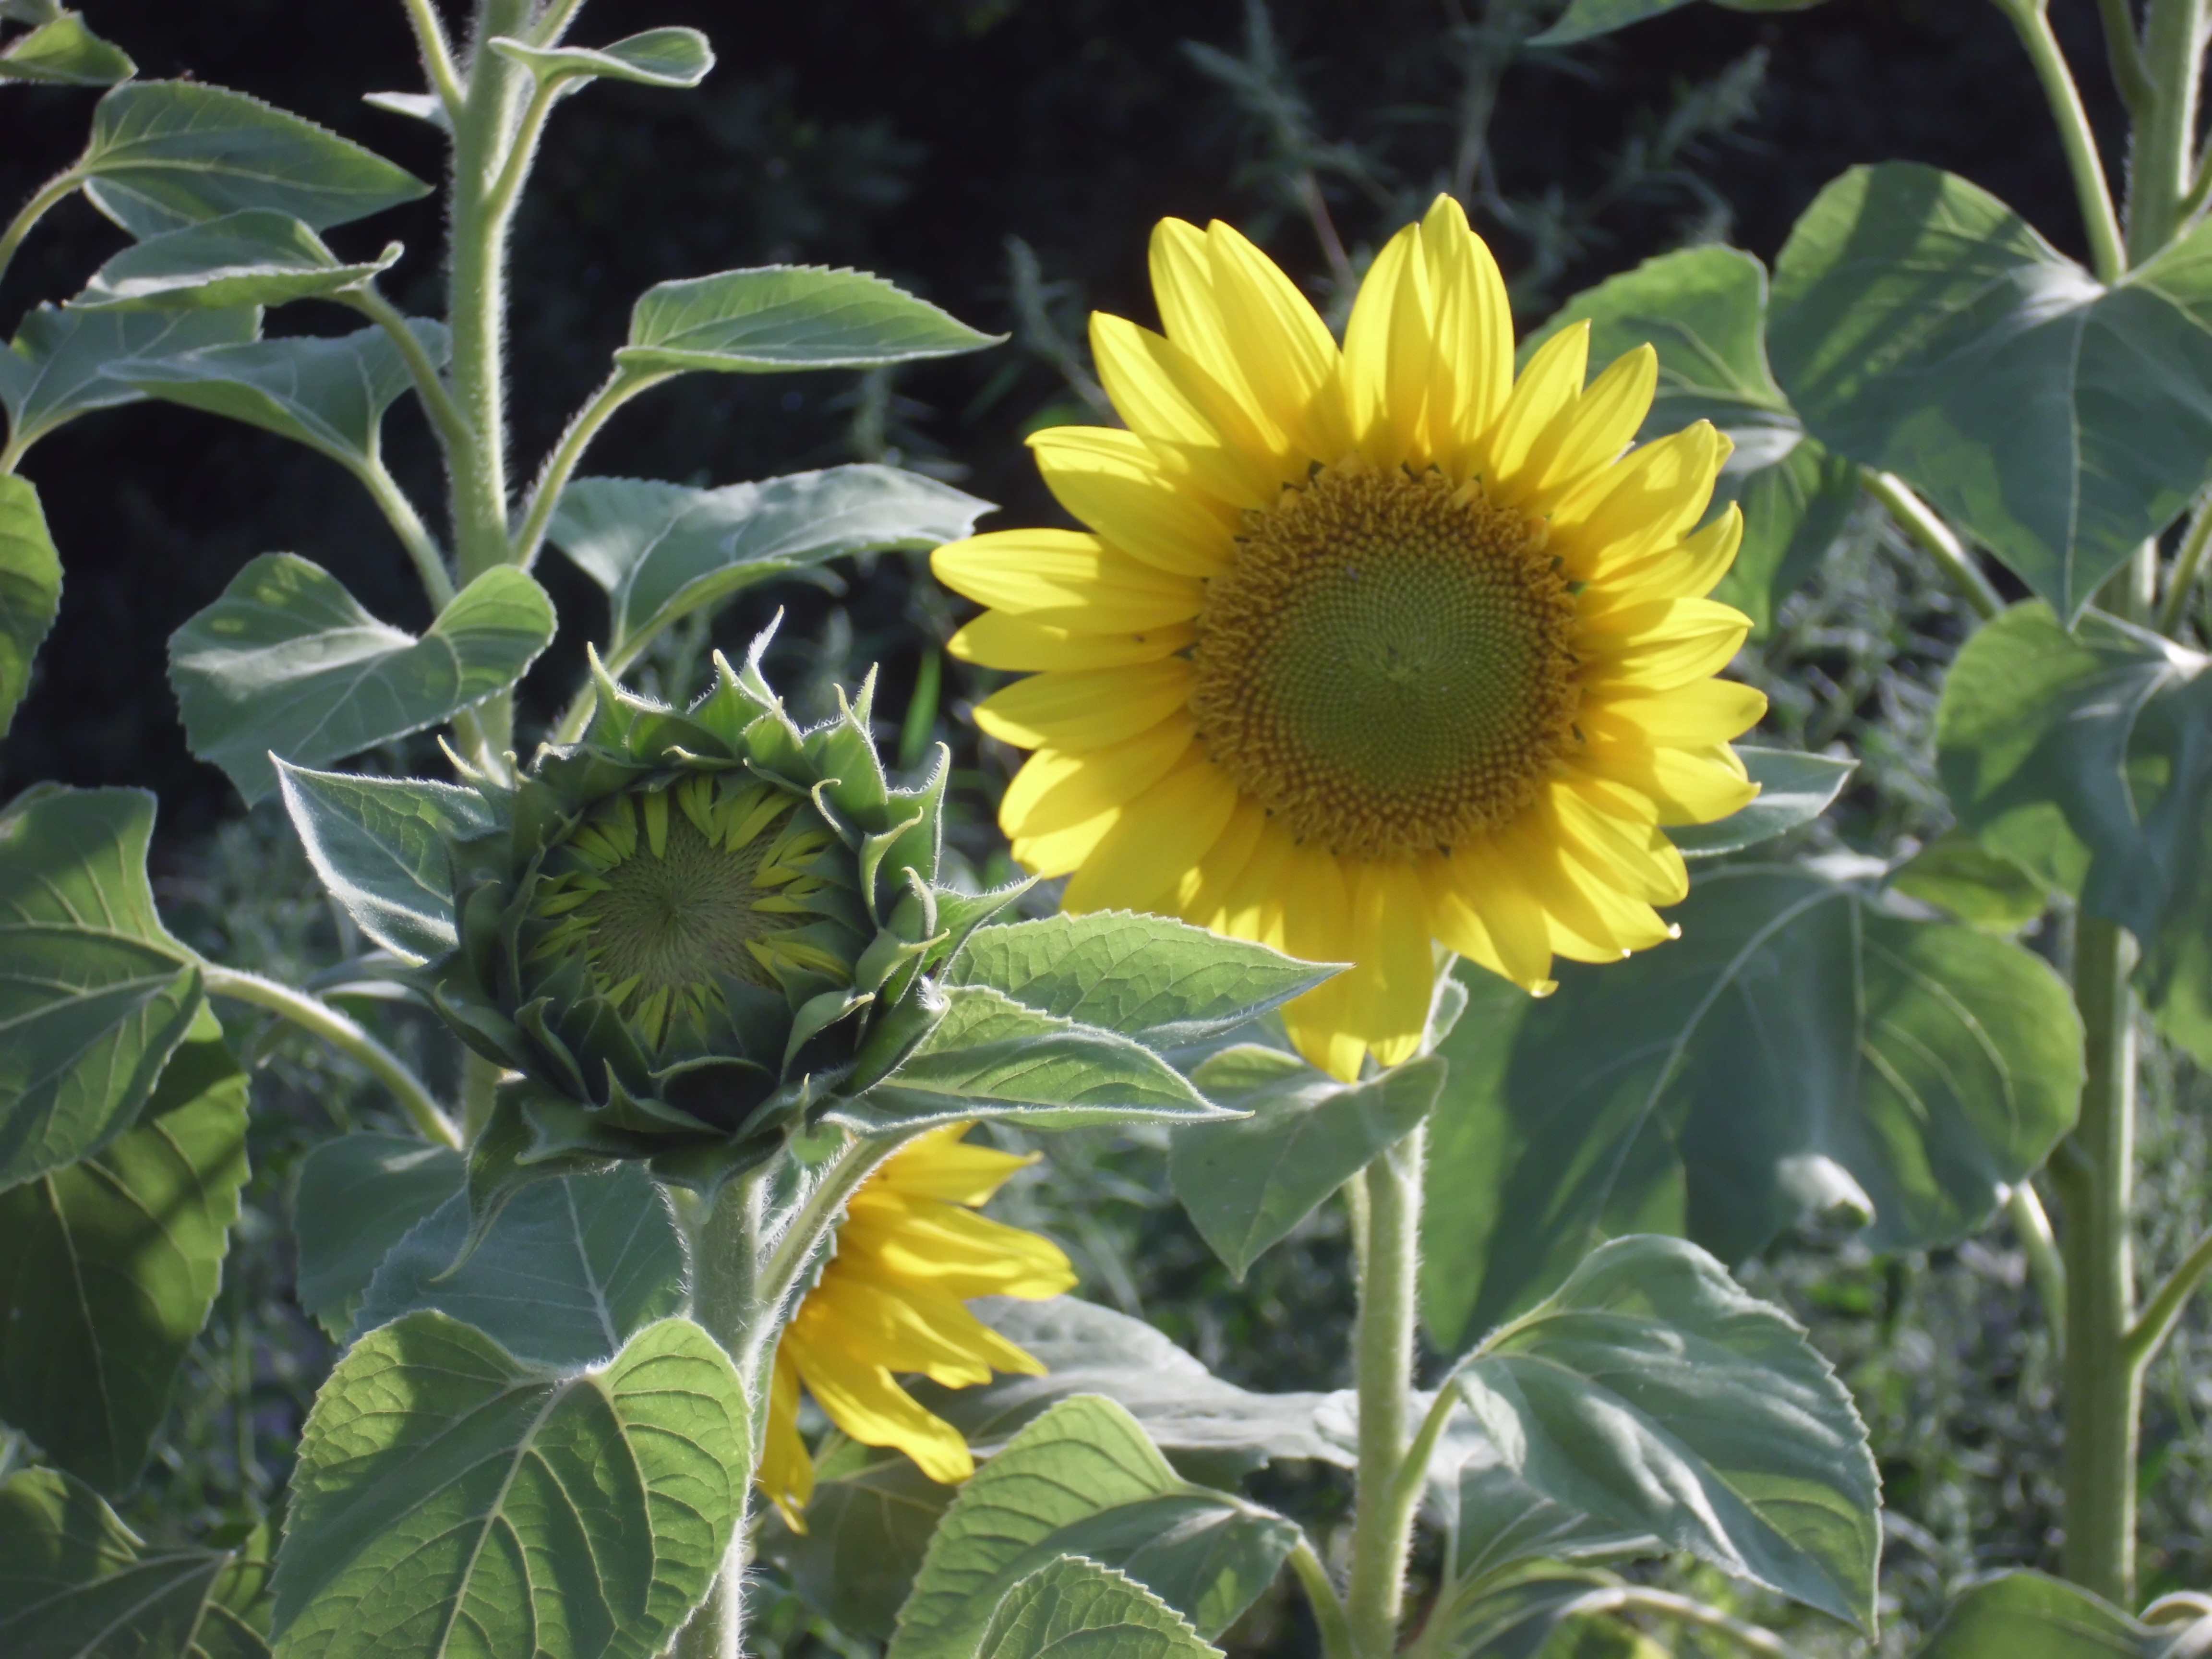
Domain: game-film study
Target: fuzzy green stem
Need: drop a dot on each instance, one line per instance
(437, 55)
(2188, 565)
(2162, 157)
(619, 388)
(11, 454)
(2103, 1392)
(555, 24)
(413, 535)
(2046, 1266)
(1920, 521)
(2031, 21)
(1381, 1527)
(446, 417)
(2124, 48)
(1329, 1619)
(2163, 1311)
(728, 1257)
(49, 195)
(343, 1033)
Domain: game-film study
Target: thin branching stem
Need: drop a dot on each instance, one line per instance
(2163, 1311)
(1665, 1604)
(2046, 1266)
(555, 24)
(619, 388)
(2031, 21)
(1382, 1365)
(1329, 1618)
(2123, 46)
(413, 535)
(48, 195)
(454, 433)
(1920, 521)
(437, 54)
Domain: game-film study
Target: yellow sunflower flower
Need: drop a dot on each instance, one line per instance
(893, 1298)
(1365, 647)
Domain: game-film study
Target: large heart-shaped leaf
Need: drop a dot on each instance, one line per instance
(1703, 310)
(444, 1486)
(1922, 327)
(1161, 981)
(776, 319)
(167, 154)
(1797, 1054)
(113, 1264)
(56, 368)
(1083, 1479)
(658, 58)
(287, 662)
(357, 1196)
(867, 1526)
(1075, 1608)
(379, 846)
(568, 1271)
(30, 590)
(1651, 1393)
(663, 551)
(328, 394)
(2021, 1614)
(254, 257)
(62, 51)
(1246, 1183)
(95, 993)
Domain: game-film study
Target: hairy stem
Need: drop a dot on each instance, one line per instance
(413, 535)
(446, 420)
(728, 1256)
(437, 55)
(1329, 1619)
(2124, 48)
(343, 1033)
(2161, 159)
(54, 191)
(1381, 1527)
(619, 388)
(2031, 21)
(2163, 1311)
(1920, 521)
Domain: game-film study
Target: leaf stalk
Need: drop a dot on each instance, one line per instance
(1921, 522)
(2108, 252)
(47, 195)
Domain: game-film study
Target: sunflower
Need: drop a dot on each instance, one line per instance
(1366, 649)
(891, 1298)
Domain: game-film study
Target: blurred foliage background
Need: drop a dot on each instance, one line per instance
(1007, 158)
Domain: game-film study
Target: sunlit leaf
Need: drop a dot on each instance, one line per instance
(63, 51)
(356, 1197)
(251, 258)
(1075, 1608)
(2019, 1614)
(55, 370)
(658, 58)
(378, 845)
(780, 318)
(1794, 789)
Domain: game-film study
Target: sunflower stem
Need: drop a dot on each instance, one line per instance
(1919, 521)
(1329, 1619)
(2031, 21)
(727, 1263)
(1389, 1194)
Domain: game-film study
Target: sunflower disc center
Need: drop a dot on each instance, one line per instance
(675, 922)
(1387, 666)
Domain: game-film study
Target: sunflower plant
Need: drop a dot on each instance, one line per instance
(1388, 834)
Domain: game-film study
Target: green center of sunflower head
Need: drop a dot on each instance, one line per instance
(1387, 666)
(672, 895)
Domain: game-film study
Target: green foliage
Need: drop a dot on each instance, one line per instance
(1652, 1394)
(867, 1524)
(56, 369)
(658, 58)
(1958, 874)
(356, 1197)
(168, 154)
(1798, 1056)
(63, 51)
(380, 846)
(30, 590)
(1921, 326)
(1794, 789)
(2025, 1612)
(782, 318)
(287, 665)
(1083, 1479)
(440, 1480)
(113, 1264)
(1246, 1184)
(95, 992)
(1073, 1608)
(251, 257)
(1585, 20)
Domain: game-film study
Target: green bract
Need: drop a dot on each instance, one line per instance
(691, 932)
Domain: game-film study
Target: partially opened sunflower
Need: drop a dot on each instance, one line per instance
(1366, 647)
(892, 1297)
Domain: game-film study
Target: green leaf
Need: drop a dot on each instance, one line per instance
(1703, 310)
(76, 1583)
(379, 846)
(664, 550)
(867, 1526)
(250, 258)
(992, 1057)
(1163, 983)
(113, 1264)
(30, 590)
(1498, 1522)
(1585, 20)
(658, 58)
(2019, 1614)
(1650, 1392)
(167, 154)
(1794, 789)
(1246, 1183)
(357, 1196)
(287, 662)
(780, 318)
(94, 995)
(1184, 1408)
(1958, 875)
(1083, 1479)
(440, 1480)
(1922, 327)
(1798, 1054)
(1073, 1608)
(55, 369)
(328, 394)
(569, 1270)
(1519, 1618)
(63, 53)
(2083, 758)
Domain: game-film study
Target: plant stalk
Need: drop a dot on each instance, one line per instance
(2108, 252)
(2188, 565)
(619, 388)
(1382, 1529)
(446, 417)
(413, 535)
(728, 1256)
(2163, 1311)
(437, 55)
(2163, 154)
(2124, 47)
(1329, 1619)
(1920, 521)
(49, 195)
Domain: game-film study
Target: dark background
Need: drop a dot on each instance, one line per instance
(913, 139)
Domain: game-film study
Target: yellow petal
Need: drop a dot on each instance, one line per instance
(1394, 979)
(1054, 790)
(1658, 646)
(1388, 354)
(1065, 579)
(1286, 352)
(1115, 483)
(1638, 859)
(1616, 516)
(1591, 432)
(1702, 711)
(959, 1252)
(1317, 928)
(786, 1472)
(1057, 851)
(1162, 394)
(1203, 898)
(1588, 921)
(1087, 709)
(1474, 362)
(943, 1165)
(1687, 569)
(995, 639)
(1160, 835)
(862, 1400)
(1496, 927)
(1191, 314)
(1687, 786)
(1550, 383)
(1252, 906)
